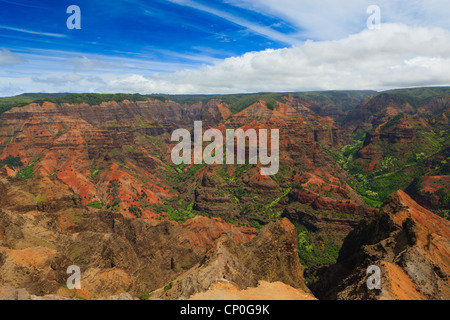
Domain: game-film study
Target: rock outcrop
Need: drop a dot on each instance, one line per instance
(95, 186)
(40, 240)
(270, 256)
(408, 243)
(128, 143)
(119, 255)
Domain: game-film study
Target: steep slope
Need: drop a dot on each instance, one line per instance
(300, 152)
(90, 147)
(383, 107)
(116, 155)
(398, 152)
(79, 159)
(270, 256)
(408, 243)
(40, 238)
(432, 192)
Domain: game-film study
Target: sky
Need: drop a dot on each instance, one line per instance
(222, 46)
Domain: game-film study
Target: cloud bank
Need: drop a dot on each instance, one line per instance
(395, 56)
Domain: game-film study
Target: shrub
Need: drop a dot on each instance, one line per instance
(144, 296)
(95, 204)
(12, 162)
(28, 172)
(168, 287)
(135, 210)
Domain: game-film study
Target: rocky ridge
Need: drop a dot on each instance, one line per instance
(407, 242)
(119, 255)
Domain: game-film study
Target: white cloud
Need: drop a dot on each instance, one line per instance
(85, 63)
(47, 34)
(395, 56)
(334, 19)
(254, 27)
(8, 58)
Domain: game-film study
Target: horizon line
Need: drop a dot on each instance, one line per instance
(225, 94)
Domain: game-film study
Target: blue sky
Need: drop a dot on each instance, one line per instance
(221, 46)
(171, 32)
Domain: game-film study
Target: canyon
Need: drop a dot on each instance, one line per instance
(363, 179)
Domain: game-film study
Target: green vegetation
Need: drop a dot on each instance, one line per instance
(269, 208)
(231, 176)
(92, 99)
(392, 123)
(316, 249)
(12, 162)
(77, 296)
(343, 100)
(255, 224)
(348, 153)
(176, 209)
(156, 141)
(95, 204)
(144, 296)
(135, 210)
(238, 102)
(8, 103)
(420, 96)
(444, 197)
(40, 199)
(445, 214)
(168, 287)
(60, 133)
(113, 195)
(177, 173)
(130, 149)
(400, 162)
(28, 172)
(95, 173)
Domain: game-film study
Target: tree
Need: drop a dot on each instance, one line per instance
(113, 193)
(12, 162)
(135, 210)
